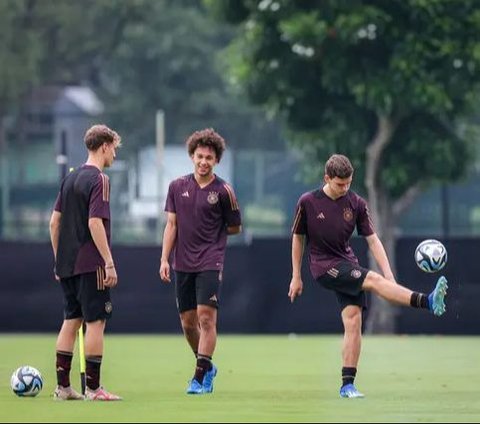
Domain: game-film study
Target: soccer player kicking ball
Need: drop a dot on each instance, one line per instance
(202, 211)
(327, 218)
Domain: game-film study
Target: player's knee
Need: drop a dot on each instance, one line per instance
(72, 325)
(189, 327)
(207, 322)
(372, 281)
(96, 326)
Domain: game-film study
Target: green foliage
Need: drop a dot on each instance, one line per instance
(20, 51)
(138, 55)
(331, 68)
(166, 61)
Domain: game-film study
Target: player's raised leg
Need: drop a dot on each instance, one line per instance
(395, 293)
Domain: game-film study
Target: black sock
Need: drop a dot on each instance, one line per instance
(92, 371)
(419, 300)
(63, 364)
(348, 375)
(204, 364)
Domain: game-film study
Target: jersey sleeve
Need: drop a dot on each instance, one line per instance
(170, 201)
(99, 206)
(231, 209)
(300, 221)
(365, 226)
(58, 202)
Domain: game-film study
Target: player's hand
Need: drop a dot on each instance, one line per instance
(57, 278)
(111, 278)
(164, 271)
(296, 288)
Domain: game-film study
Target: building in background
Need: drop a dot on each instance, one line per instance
(44, 141)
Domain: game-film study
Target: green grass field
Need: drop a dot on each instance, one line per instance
(261, 379)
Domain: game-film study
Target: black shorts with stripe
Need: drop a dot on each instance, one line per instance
(86, 297)
(346, 280)
(197, 288)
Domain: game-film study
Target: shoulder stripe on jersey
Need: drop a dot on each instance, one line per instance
(106, 188)
(296, 221)
(233, 199)
(370, 221)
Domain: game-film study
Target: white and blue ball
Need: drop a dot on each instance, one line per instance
(26, 381)
(431, 255)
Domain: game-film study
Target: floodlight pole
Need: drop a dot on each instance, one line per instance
(160, 138)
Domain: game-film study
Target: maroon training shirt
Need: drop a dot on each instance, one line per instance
(203, 215)
(328, 226)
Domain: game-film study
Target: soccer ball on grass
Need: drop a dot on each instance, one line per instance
(26, 381)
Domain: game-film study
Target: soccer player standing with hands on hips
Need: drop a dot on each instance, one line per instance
(80, 236)
(202, 211)
(327, 217)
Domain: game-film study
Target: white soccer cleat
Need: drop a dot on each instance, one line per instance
(66, 393)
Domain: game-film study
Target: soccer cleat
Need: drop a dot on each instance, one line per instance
(350, 391)
(208, 379)
(436, 299)
(66, 393)
(101, 395)
(195, 388)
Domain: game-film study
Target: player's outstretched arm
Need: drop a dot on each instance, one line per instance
(378, 251)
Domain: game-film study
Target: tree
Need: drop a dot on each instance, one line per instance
(138, 55)
(20, 52)
(386, 82)
(167, 61)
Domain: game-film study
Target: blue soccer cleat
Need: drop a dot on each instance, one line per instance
(208, 379)
(195, 388)
(436, 299)
(350, 391)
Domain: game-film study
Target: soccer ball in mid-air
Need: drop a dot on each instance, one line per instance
(26, 381)
(431, 255)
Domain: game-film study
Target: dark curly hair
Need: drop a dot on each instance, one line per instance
(338, 166)
(206, 138)
(99, 134)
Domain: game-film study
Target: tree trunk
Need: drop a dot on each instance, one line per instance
(382, 314)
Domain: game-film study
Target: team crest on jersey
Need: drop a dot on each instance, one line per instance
(356, 274)
(212, 197)
(347, 214)
(108, 307)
